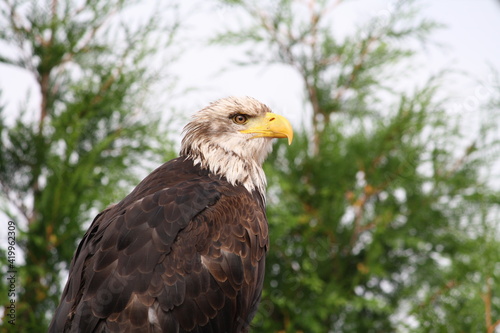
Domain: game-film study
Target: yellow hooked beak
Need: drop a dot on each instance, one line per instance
(271, 126)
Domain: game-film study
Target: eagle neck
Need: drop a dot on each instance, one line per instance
(234, 168)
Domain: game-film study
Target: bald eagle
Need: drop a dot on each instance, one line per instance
(185, 250)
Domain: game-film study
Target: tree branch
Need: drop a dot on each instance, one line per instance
(449, 285)
(490, 327)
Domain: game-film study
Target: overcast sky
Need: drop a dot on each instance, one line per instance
(471, 41)
(471, 37)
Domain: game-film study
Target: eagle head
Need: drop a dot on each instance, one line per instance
(232, 137)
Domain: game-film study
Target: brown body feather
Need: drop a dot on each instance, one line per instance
(183, 252)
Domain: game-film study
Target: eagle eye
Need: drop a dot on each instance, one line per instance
(240, 119)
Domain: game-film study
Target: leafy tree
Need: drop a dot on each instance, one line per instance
(381, 218)
(90, 139)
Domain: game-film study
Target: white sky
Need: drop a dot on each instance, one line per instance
(471, 37)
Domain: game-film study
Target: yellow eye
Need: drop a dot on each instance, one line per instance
(240, 119)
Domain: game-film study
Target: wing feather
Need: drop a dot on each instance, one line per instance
(183, 252)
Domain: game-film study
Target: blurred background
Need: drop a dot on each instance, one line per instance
(384, 212)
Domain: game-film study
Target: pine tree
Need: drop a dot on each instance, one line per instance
(380, 219)
(89, 141)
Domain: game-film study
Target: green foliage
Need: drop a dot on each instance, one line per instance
(381, 220)
(91, 139)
